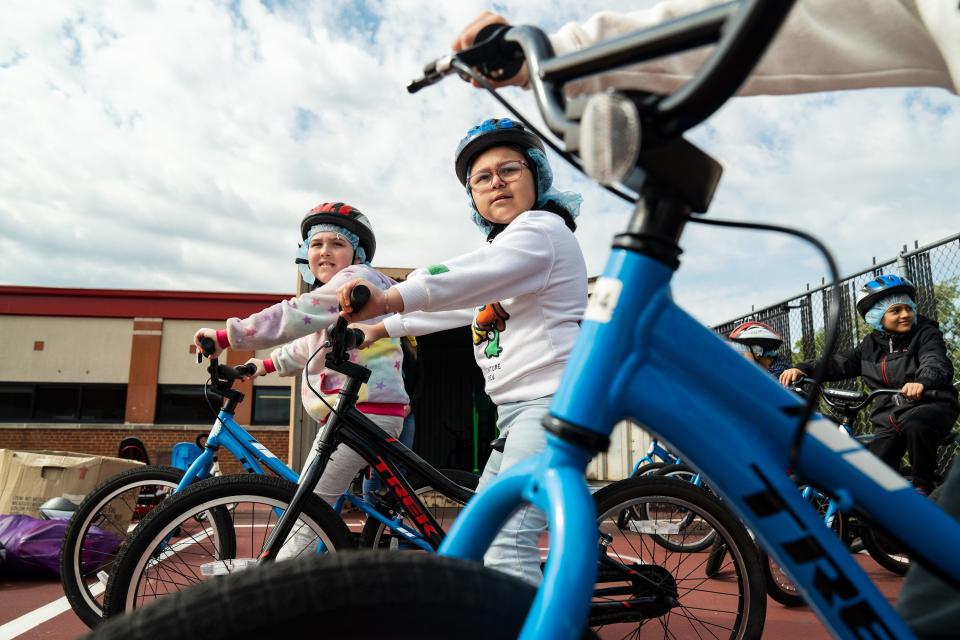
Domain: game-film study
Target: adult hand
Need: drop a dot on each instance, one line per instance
(371, 333)
(466, 38)
(912, 390)
(207, 333)
(790, 376)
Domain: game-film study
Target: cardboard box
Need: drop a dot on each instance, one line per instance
(30, 478)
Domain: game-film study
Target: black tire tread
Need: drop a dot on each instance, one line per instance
(336, 594)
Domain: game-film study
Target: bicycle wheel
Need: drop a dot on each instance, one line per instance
(695, 541)
(102, 523)
(376, 535)
(779, 585)
(644, 587)
(887, 553)
(650, 467)
(175, 547)
(415, 596)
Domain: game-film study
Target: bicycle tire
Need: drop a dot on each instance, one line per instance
(142, 565)
(97, 510)
(372, 535)
(337, 593)
(779, 585)
(650, 467)
(664, 573)
(681, 472)
(884, 551)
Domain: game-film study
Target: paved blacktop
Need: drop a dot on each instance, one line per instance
(38, 609)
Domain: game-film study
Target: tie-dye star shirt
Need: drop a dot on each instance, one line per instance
(300, 325)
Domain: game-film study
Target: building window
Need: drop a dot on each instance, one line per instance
(184, 404)
(271, 405)
(51, 402)
(16, 402)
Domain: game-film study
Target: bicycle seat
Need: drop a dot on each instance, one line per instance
(845, 395)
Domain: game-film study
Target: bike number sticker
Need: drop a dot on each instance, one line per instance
(606, 294)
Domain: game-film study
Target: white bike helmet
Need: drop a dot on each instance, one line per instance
(760, 337)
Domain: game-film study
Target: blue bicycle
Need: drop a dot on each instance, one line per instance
(638, 355)
(121, 504)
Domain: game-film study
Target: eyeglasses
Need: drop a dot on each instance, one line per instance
(508, 172)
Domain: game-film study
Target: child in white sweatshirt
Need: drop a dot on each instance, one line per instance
(523, 294)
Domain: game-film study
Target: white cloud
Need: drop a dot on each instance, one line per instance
(175, 145)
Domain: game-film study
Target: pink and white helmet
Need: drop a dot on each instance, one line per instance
(757, 334)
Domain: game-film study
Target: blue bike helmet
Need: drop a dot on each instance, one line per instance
(881, 287)
(488, 134)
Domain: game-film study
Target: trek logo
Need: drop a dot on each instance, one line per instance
(412, 507)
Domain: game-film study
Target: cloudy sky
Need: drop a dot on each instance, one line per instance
(176, 144)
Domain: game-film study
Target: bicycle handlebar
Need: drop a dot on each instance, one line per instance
(221, 375)
(342, 338)
(856, 400)
(742, 32)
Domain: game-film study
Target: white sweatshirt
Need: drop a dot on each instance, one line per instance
(824, 45)
(523, 295)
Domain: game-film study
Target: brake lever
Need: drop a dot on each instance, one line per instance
(489, 44)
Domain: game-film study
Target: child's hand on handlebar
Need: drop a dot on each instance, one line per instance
(466, 38)
(790, 376)
(207, 333)
(381, 302)
(258, 363)
(912, 390)
(371, 333)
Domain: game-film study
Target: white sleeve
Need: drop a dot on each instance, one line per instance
(419, 323)
(824, 45)
(516, 263)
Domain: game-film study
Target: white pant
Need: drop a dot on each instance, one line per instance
(342, 467)
(516, 549)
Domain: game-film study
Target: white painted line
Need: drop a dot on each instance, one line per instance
(35, 618)
(28, 621)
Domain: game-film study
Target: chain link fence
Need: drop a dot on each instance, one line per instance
(934, 269)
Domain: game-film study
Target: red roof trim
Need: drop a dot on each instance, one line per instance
(132, 303)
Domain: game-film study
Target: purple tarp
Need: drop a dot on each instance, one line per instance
(31, 547)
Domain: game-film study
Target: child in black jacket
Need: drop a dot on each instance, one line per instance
(905, 351)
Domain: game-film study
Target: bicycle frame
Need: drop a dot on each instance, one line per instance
(380, 450)
(227, 433)
(662, 383)
(655, 450)
(348, 426)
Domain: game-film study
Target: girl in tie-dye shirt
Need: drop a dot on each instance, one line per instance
(338, 244)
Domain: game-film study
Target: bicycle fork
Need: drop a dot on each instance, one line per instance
(311, 475)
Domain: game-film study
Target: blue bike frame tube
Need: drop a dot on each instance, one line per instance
(396, 526)
(228, 434)
(683, 383)
(553, 482)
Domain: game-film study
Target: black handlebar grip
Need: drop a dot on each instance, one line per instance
(247, 369)
(937, 394)
(359, 297)
(208, 346)
(355, 338)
